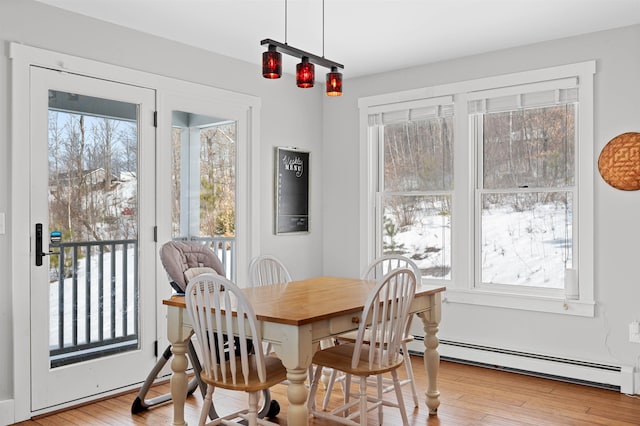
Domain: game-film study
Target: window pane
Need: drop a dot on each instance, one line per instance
(526, 238)
(418, 155)
(419, 227)
(203, 176)
(529, 148)
(218, 180)
(176, 179)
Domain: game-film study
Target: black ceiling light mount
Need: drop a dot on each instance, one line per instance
(298, 53)
(305, 74)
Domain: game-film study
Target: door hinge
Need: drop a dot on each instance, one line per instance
(155, 234)
(155, 348)
(155, 119)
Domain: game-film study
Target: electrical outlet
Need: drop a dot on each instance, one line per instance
(634, 332)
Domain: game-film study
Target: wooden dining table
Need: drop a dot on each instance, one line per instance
(294, 318)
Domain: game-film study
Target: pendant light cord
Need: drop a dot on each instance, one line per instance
(286, 20)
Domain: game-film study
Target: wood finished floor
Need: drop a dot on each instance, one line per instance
(469, 396)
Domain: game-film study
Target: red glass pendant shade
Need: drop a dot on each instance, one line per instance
(334, 82)
(272, 63)
(305, 74)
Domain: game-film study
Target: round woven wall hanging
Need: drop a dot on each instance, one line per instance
(619, 162)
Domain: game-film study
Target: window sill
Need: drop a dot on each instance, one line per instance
(555, 305)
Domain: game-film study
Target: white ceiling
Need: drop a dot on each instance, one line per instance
(366, 36)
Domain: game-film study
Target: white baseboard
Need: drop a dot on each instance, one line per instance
(615, 377)
(7, 415)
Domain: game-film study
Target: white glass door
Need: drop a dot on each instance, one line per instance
(92, 212)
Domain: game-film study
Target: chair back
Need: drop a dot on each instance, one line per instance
(382, 265)
(387, 263)
(225, 359)
(184, 259)
(385, 317)
(266, 270)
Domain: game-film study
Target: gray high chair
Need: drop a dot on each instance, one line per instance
(182, 261)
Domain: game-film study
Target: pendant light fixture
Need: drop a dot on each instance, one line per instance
(272, 63)
(305, 72)
(334, 82)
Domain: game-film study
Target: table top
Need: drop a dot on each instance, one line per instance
(306, 301)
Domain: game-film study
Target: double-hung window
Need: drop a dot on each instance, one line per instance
(525, 141)
(415, 182)
(488, 186)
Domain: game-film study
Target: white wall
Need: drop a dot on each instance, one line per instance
(282, 124)
(602, 339)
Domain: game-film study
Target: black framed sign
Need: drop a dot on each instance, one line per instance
(291, 191)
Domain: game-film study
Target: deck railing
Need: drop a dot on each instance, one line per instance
(94, 296)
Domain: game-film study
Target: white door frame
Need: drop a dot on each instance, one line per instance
(22, 57)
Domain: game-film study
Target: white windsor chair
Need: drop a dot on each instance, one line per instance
(378, 268)
(229, 362)
(266, 270)
(375, 351)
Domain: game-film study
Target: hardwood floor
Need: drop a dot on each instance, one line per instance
(469, 396)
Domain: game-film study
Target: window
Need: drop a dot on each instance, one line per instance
(488, 185)
(415, 181)
(204, 182)
(526, 185)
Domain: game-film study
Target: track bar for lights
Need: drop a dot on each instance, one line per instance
(292, 51)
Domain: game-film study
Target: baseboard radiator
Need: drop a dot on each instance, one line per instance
(567, 370)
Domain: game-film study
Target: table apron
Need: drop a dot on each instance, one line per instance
(277, 333)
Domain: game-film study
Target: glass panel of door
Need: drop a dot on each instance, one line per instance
(93, 227)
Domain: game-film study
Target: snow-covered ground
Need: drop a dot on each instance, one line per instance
(518, 247)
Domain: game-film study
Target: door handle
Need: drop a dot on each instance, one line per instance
(39, 253)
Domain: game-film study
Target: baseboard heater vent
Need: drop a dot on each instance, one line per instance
(550, 367)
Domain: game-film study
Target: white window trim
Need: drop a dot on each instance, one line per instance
(460, 288)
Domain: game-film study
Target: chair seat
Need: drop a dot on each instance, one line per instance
(276, 373)
(339, 357)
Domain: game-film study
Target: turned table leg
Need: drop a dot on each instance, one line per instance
(431, 321)
(179, 338)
